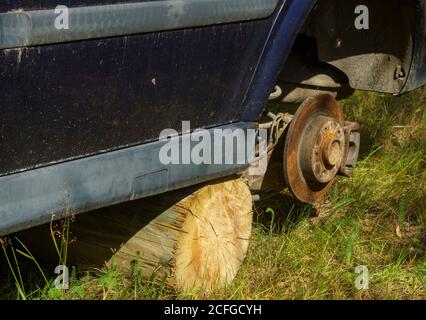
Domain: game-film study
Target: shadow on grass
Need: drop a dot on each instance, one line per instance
(280, 213)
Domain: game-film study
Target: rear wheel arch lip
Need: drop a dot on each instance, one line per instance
(288, 20)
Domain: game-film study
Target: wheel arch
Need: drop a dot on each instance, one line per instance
(387, 57)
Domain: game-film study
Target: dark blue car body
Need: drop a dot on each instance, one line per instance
(80, 118)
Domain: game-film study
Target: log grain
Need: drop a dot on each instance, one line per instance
(196, 238)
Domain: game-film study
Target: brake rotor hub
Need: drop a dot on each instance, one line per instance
(316, 148)
(322, 149)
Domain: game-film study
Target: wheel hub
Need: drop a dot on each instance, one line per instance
(314, 148)
(322, 149)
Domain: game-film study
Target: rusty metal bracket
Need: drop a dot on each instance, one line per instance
(352, 145)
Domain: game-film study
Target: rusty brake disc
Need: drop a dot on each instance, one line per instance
(314, 148)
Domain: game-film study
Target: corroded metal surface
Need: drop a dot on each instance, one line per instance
(314, 148)
(352, 145)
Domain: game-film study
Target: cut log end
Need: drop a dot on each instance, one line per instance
(197, 238)
(215, 236)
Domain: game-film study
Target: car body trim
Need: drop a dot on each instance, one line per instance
(38, 196)
(39, 27)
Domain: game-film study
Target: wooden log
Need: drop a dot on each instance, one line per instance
(197, 238)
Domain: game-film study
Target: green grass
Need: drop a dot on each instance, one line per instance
(376, 219)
